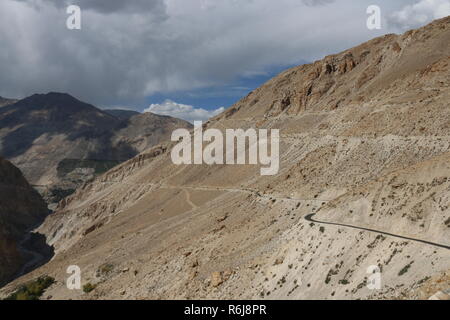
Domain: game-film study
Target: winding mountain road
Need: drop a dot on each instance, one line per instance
(310, 218)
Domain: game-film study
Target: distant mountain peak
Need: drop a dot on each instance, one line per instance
(54, 97)
(57, 102)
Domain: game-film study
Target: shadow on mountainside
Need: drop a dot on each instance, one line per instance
(35, 252)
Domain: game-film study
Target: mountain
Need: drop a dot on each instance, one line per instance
(122, 114)
(60, 142)
(363, 187)
(21, 208)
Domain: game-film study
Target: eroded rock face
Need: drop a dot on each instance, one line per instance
(21, 208)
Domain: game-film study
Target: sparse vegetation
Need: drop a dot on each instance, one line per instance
(88, 287)
(405, 269)
(360, 286)
(333, 272)
(422, 281)
(32, 290)
(105, 269)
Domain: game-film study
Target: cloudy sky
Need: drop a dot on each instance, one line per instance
(189, 58)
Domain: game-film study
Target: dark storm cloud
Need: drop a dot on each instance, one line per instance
(317, 2)
(127, 50)
(107, 6)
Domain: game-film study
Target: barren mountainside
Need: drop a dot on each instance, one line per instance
(364, 181)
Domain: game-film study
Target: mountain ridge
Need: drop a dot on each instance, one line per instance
(42, 132)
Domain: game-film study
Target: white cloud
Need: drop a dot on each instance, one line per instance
(183, 111)
(420, 13)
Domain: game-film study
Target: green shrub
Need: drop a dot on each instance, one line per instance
(32, 290)
(88, 287)
(405, 269)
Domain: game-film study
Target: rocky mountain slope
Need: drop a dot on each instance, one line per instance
(21, 208)
(363, 186)
(60, 142)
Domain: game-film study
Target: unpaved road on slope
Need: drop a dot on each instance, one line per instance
(188, 199)
(307, 217)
